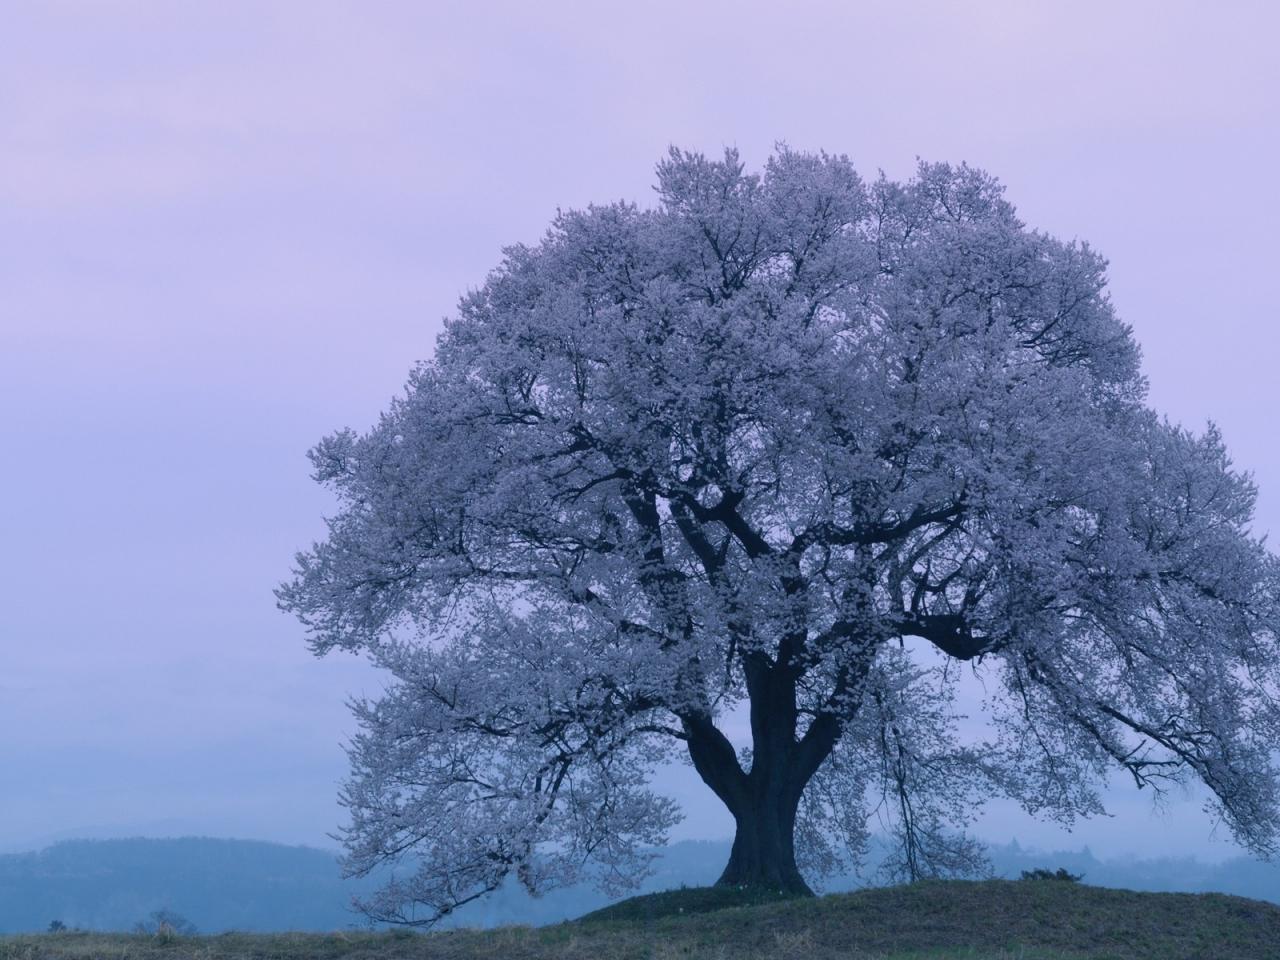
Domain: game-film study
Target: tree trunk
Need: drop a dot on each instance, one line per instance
(763, 801)
(764, 852)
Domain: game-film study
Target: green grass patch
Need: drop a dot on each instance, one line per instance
(686, 901)
(954, 920)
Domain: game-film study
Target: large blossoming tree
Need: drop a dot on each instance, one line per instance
(792, 447)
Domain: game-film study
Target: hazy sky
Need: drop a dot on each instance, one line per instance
(227, 229)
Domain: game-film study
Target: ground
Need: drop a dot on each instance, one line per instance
(988, 920)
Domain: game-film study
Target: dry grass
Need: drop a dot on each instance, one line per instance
(992, 920)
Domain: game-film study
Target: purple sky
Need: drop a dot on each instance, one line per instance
(229, 228)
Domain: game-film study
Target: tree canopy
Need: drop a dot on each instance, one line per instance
(800, 445)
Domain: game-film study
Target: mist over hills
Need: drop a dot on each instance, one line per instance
(254, 886)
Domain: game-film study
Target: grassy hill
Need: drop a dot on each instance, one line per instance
(1008, 920)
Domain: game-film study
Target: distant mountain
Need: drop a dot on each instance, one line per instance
(217, 884)
(254, 886)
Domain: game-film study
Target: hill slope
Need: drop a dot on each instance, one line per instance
(1028, 920)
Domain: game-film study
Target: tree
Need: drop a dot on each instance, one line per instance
(166, 923)
(800, 445)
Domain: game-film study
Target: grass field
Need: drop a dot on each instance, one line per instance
(989, 920)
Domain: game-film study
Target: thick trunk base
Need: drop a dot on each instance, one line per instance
(764, 856)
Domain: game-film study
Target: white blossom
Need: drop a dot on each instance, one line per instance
(736, 450)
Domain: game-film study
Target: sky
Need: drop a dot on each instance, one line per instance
(230, 228)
